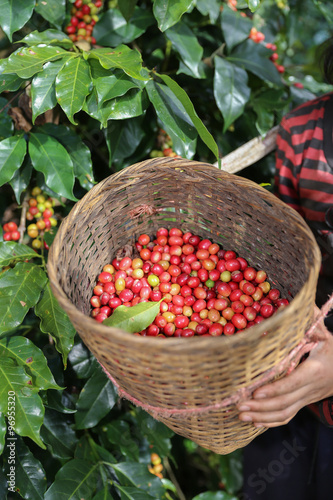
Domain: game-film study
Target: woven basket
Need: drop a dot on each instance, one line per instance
(183, 382)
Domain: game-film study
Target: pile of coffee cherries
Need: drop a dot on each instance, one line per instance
(203, 289)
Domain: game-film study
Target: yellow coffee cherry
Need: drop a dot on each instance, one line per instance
(36, 244)
(120, 284)
(36, 191)
(158, 468)
(48, 203)
(40, 198)
(137, 274)
(155, 459)
(32, 230)
(40, 224)
(108, 268)
(137, 263)
(41, 207)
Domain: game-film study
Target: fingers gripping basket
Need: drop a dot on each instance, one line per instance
(189, 384)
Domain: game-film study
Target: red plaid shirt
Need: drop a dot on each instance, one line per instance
(304, 180)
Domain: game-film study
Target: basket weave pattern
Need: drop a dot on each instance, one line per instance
(178, 373)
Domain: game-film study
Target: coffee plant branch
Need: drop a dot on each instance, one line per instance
(250, 152)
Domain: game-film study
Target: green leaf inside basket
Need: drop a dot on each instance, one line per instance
(134, 319)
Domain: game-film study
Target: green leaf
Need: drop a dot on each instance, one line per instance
(254, 57)
(96, 399)
(58, 435)
(9, 82)
(53, 11)
(133, 103)
(179, 146)
(82, 362)
(97, 70)
(91, 107)
(21, 179)
(119, 434)
(209, 8)
(51, 158)
(20, 289)
(325, 10)
(26, 354)
(173, 115)
(235, 27)
(231, 91)
(112, 29)
(182, 96)
(186, 44)
(14, 14)
(133, 493)
(201, 72)
(271, 99)
(3, 429)
(253, 4)
(168, 13)
(43, 95)
(133, 319)
(123, 138)
(155, 432)
(88, 449)
(11, 252)
(28, 61)
(30, 476)
(122, 57)
(265, 119)
(76, 480)
(29, 409)
(232, 471)
(114, 85)
(6, 122)
(103, 494)
(12, 153)
(127, 7)
(55, 322)
(73, 84)
(133, 474)
(56, 400)
(77, 150)
(215, 495)
(48, 37)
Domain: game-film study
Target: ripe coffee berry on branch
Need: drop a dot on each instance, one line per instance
(84, 17)
(40, 213)
(204, 290)
(10, 232)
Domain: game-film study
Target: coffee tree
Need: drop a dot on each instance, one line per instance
(88, 88)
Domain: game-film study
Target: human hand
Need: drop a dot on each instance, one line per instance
(277, 403)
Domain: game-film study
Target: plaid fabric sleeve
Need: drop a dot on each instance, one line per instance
(324, 411)
(297, 132)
